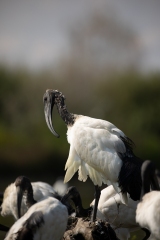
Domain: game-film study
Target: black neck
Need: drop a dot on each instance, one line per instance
(80, 211)
(149, 179)
(72, 197)
(67, 117)
(29, 197)
(145, 188)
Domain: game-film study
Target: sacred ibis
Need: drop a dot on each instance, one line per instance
(98, 149)
(25, 193)
(46, 219)
(148, 210)
(9, 204)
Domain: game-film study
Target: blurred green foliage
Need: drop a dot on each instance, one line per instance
(129, 100)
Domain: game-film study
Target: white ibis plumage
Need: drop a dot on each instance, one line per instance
(9, 203)
(98, 149)
(148, 210)
(46, 219)
(120, 216)
(59, 186)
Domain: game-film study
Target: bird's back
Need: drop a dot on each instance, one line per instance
(100, 150)
(41, 190)
(9, 205)
(148, 213)
(93, 150)
(46, 219)
(111, 209)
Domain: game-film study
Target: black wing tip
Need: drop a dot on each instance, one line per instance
(36, 220)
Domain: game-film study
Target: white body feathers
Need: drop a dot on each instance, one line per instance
(120, 216)
(9, 204)
(148, 213)
(60, 187)
(94, 147)
(52, 221)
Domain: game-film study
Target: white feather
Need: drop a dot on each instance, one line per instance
(9, 204)
(120, 216)
(55, 218)
(148, 213)
(93, 152)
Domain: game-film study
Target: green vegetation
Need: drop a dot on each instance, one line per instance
(130, 100)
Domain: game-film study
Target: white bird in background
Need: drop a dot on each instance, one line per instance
(98, 149)
(60, 187)
(9, 204)
(46, 219)
(148, 210)
(120, 216)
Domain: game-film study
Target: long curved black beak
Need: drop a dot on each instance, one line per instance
(19, 200)
(48, 100)
(154, 183)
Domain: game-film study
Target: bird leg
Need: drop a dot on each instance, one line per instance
(97, 196)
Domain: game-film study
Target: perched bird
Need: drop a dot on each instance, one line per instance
(9, 204)
(148, 210)
(25, 193)
(120, 216)
(110, 209)
(46, 219)
(98, 149)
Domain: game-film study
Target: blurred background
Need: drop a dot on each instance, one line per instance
(103, 55)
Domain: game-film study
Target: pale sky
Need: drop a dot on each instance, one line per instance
(36, 33)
